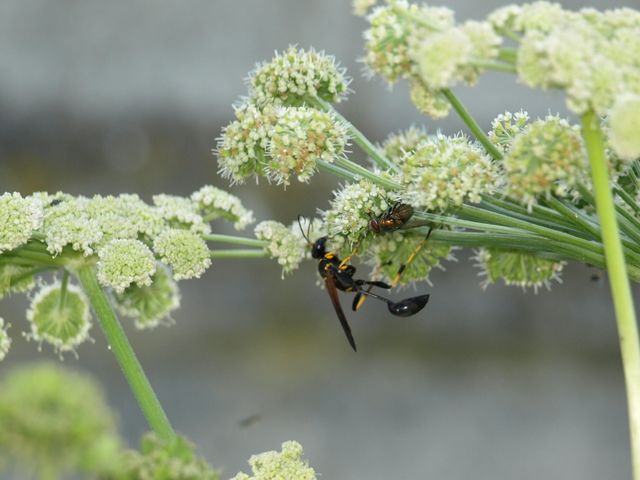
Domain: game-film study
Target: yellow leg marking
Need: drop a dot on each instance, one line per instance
(347, 259)
(413, 255)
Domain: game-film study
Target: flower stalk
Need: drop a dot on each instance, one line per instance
(618, 279)
(125, 355)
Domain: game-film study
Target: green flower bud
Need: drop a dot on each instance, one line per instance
(19, 217)
(184, 251)
(547, 157)
(56, 423)
(63, 322)
(158, 460)
(295, 77)
(301, 137)
(285, 465)
(212, 202)
(517, 268)
(624, 125)
(150, 305)
(123, 262)
(5, 339)
(447, 171)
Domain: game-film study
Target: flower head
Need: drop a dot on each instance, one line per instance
(56, 422)
(19, 217)
(390, 253)
(5, 339)
(59, 317)
(624, 125)
(447, 171)
(397, 145)
(123, 262)
(212, 202)
(150, 305)
(242, 147)
(286, 244)
(517, 268)
(68, 223)
(352, 208)
(301, 137)
(285, 465)
(394, 28)
(506, 126)
(15, 279)
(430, 102)
(180, 212)
(175, 460)
(184, 251)
(546, 157)
(296, 77)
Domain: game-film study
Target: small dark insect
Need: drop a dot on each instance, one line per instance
(392, 219)
(54, 202)
(338, 275)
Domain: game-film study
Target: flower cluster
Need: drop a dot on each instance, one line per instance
(59, 316)
(138, 250)
(296, 77)
(279, 131)
(546, 156)
(285, 465)
(517, 268)
(5, 340)
(444, 172)
(286, 244)
(423, 44)
(55, 423)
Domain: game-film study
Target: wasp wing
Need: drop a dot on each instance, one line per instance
(335, 300)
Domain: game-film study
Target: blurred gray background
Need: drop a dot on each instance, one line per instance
(110, 97)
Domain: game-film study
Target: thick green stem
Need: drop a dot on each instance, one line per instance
(126, 357)
(231, 239)
(335, 170)
(619, 282)
(472, 124)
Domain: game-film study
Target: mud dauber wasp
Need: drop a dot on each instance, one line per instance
(338, 275)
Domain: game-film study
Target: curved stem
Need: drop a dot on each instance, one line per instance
(619, 282)
(365, 173)
(126, 357)
(338, 171)
(472, 124)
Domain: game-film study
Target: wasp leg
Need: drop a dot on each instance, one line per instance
(413, 255)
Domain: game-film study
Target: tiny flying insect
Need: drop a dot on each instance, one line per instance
(338, 275)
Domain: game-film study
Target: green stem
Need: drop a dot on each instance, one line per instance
(619, 282)
(126, 357)
(63, 289)
(628, 199)
(365, 173)
(508, 54)
(472, 124)
(338, 171)
(360, 138)
(36, 257)
(249, 242)
(239, 253)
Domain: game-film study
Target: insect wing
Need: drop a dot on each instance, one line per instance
(329, 282)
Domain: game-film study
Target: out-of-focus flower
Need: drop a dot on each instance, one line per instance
(184, 251)
(124, 262)
(19, 217)
(285, 465)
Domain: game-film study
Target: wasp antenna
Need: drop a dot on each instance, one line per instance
(306, 236)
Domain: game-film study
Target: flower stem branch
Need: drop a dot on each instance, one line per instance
(126, 357)
(238, 253)
(233, 240)
(619, 282)
(472, 124)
